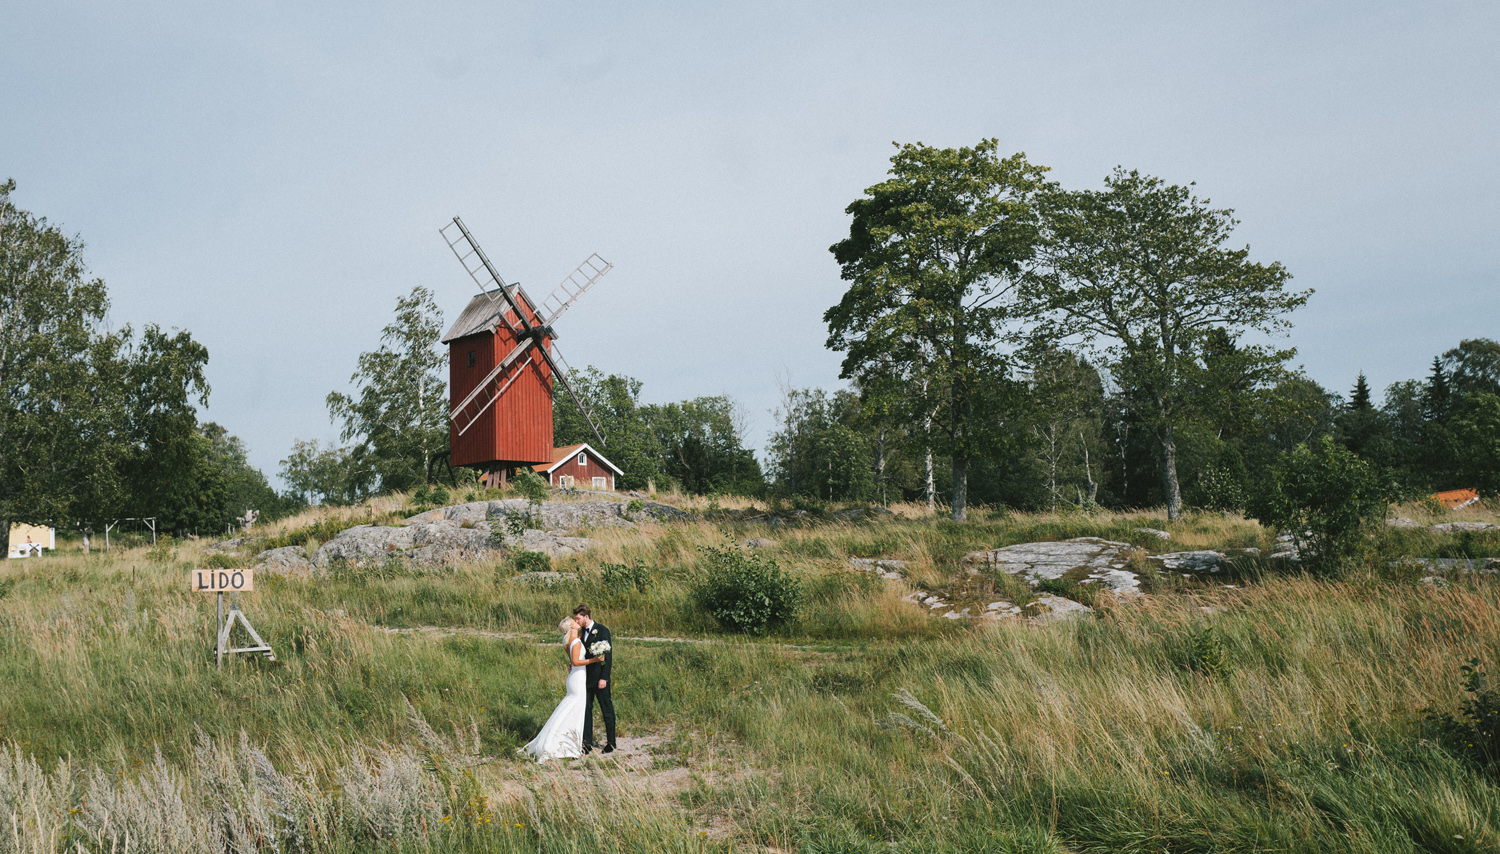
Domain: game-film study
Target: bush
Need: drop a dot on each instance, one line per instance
(1328, 498)
(1204, 652)
(1475, 733)
(525, 561)
(530, 485)
(746, 592)
(619, 579)
(223, 560)
(162, 552)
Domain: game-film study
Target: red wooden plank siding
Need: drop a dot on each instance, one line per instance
(583, 475)
(517, 429)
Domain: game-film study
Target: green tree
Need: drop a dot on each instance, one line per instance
(935, 258)
(1476, 431)
(1474, 366)
(1064, 418)
(1142, 271)
(245, 486)
(816, 451)
(1359, 398)
(703, 448)
(614, 403)
(317, 475)
(1328, 498)
(398, 416)
(93, 424)
(1437, 397)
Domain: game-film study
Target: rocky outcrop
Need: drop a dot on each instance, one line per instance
(1085, 560)
(446, 536)
(1192, 562)
(287, 560)
(1055, 609)
(1456, 527)
(554, 516)
(887, 567)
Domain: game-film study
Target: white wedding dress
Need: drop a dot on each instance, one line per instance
(562, 735)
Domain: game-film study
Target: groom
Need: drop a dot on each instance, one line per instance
(598, 683)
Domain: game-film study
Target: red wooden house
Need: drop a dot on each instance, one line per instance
(580, 466)
(515, 431)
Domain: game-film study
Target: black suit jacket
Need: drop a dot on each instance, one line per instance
(600, 670)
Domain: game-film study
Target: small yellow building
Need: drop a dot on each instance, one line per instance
(29, 540)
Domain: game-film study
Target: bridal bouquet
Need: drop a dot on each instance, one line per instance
(599, 648)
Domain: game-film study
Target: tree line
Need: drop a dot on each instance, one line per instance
(1006, 341)
(1088, 347)
(99, 425)
(396, 420)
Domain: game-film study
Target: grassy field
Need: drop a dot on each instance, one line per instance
(1283, 714)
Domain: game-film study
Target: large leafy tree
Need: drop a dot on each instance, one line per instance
(697, 444)
(1063, 416)
(816, 450)
(1474, 366)
(702, 445)
(398, 415)
(935, 259)
(317, 475)
(94, 424)
(1143, 271)
(613, 402)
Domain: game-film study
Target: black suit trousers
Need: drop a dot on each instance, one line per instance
(606, 711)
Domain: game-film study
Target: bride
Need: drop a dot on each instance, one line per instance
(562, 735)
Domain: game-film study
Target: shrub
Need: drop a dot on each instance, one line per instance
(619, 579)
(530, 484)
(746, 592)
(1475, 733)
(525, 561)
(1327, 497)
(1204, 652)
(223, 560)
(162, 552)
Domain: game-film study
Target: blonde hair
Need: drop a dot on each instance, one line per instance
(567, 625)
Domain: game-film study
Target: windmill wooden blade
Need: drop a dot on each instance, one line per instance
(467, 411)
(561, 376)
(571, 288)
(477, 265)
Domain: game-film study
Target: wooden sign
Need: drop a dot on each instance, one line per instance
(222, 580)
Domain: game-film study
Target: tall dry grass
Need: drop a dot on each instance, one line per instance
(1282, 716)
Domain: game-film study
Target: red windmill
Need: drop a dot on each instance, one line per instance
(502, 362)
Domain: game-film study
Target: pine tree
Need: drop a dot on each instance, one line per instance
(1437, 396)
(1359, 399)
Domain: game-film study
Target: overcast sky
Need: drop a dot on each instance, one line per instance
(272, 176)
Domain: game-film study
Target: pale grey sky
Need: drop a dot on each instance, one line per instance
(271, 176)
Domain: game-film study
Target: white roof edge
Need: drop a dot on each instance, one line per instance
(597, 455)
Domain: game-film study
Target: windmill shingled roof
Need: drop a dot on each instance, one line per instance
(482, 314)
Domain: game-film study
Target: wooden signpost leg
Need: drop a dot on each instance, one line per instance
(219, 635)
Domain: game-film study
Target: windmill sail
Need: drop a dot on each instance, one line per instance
(571, 288)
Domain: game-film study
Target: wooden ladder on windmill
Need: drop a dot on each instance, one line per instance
(531, 338)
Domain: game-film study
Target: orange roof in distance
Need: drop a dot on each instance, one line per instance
(1456, 498)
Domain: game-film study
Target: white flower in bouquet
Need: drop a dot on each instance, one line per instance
(599, 648)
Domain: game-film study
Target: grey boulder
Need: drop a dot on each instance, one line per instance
(1086, 560)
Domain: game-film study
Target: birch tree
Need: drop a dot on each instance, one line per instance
(398, 415)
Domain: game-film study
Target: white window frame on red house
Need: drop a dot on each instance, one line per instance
(583, 458)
